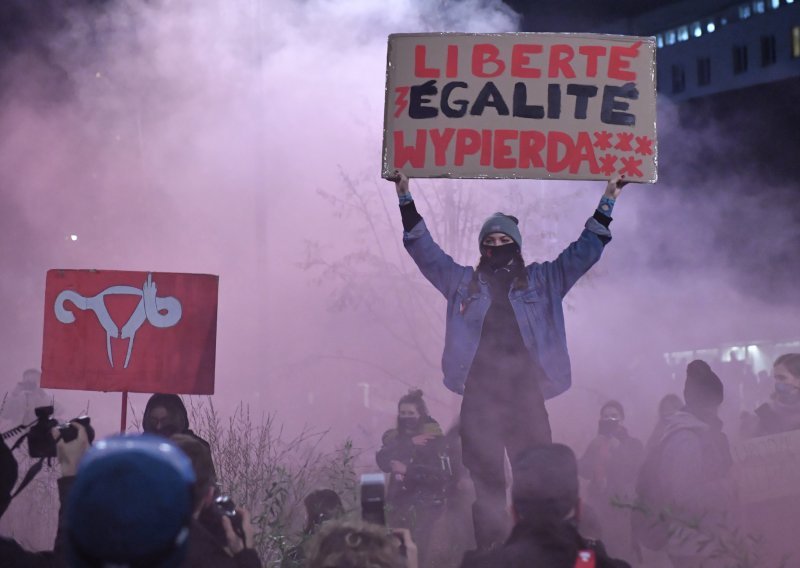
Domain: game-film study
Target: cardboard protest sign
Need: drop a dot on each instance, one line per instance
(524, 105)
(763, 467)
(130, 331)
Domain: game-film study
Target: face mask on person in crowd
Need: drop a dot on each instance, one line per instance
(408, 423)
(787, 394)
(499, 256)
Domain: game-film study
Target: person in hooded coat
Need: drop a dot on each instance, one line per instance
(505, 342)
(685, 483)
(165, 415)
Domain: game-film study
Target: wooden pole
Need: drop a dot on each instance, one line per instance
(123, 423)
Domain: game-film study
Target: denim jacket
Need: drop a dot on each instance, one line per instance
(537, 308)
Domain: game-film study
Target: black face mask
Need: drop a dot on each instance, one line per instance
(500, 256)
(408, 424)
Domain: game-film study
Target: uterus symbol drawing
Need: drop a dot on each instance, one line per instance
(160, 312)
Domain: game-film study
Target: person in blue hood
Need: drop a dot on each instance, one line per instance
(505, 343)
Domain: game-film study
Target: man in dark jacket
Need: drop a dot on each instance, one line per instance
(545, 507)
(685, 484)
(127, 501)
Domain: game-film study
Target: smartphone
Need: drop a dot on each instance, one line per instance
(373, 492)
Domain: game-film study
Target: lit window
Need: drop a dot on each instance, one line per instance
(796, 42)
(744, 11)
(660, 40)
(775, 4)
(670, 37)
(710, 27)
(759, 7)
(697, 31)
(789, 1)
(683, 33)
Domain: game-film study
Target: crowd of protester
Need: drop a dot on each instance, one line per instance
(152, 499)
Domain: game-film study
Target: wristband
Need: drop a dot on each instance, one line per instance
(405, 199)
(606, 205)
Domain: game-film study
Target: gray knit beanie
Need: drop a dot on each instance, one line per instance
(501, 223)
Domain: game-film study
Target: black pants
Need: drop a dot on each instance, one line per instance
(501, 413)
(418, 515)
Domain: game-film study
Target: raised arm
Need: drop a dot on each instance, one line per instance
(437, 266)
(575, 260)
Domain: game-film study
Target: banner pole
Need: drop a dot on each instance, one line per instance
(123, 424)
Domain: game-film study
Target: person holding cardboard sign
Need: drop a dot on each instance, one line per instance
(505, 343)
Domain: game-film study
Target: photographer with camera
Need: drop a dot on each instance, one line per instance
(223, 536)
(414, 456)
(125, 501)
(11, 553)
(610, 464)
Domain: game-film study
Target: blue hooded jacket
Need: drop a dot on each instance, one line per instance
(537, 308)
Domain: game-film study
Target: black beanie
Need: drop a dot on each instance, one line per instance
(545, 486)
(703, 387)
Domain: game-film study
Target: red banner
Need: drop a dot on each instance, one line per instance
(130, 331)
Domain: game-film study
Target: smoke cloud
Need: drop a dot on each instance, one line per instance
(243, 139)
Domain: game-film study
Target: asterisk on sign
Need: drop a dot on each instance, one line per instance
(630, 167)
(602, 140)
(644, 145)
(624, 140)
(608, 164)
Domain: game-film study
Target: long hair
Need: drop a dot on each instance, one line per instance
(519, 283)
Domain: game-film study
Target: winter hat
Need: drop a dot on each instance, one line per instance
(545, 486)
(501, 223)
(131, 504)
(703, 387)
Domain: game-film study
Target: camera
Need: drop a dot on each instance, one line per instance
(372, 498)
(41, 443)
(227, 508)
(608, 427)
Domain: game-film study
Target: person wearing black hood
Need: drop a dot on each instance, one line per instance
(505, 340)
(546, 509)
(413, 454)
(165, 415)
(685, 484)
